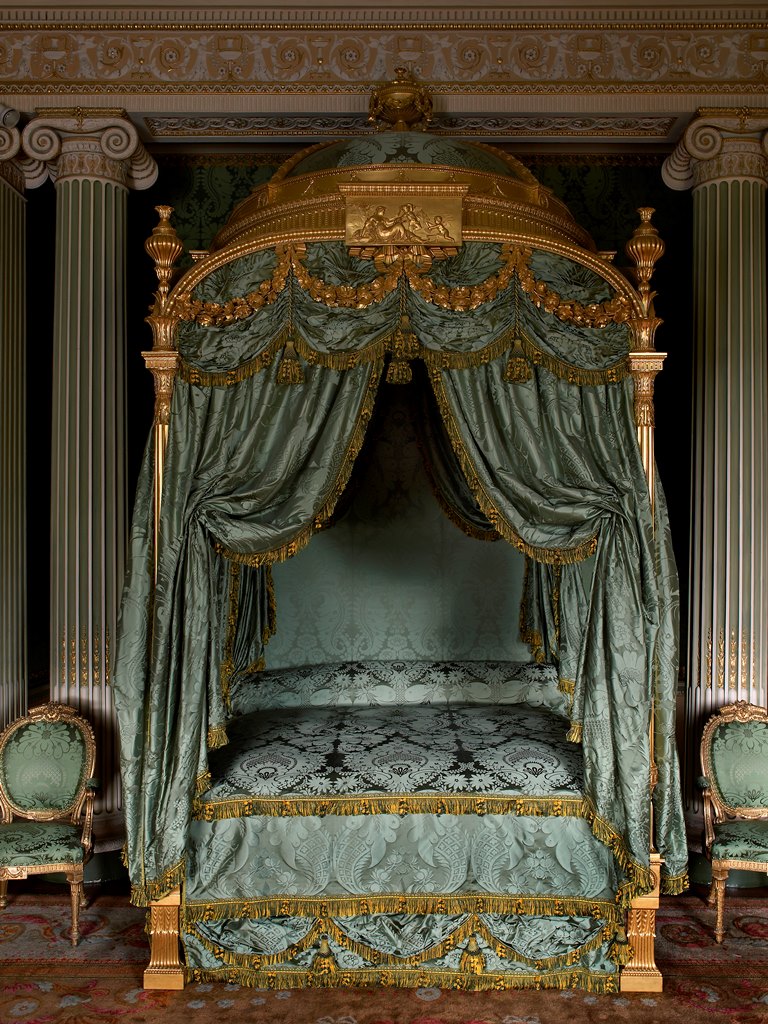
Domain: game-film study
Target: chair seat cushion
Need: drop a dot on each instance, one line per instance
(741, 840)
(32, 843)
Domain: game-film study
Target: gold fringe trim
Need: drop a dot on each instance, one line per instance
(452, 513)
(324, 513)
(574, 374)
(621, 951)
(271, 627)
(143, 895)
(124, 855)
(202, 783)
(674, 885)
(575, 733)
(566, 686)
(466, 931)
(551, 556)
(228, 378)
(228, 662)
(407, 903)
(461, 298)
(388, 803)
(217, 737)
(277, 980)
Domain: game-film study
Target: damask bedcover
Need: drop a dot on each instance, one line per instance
(444, 840)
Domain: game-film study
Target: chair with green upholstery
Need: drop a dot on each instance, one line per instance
(46, 799)
(734, 762)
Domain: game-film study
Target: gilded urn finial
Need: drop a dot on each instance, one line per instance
(400, 105)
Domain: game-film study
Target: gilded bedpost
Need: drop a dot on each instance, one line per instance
(164, 247)
(645, 247)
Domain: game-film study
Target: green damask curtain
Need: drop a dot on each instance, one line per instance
(556, 469)
(251, 470)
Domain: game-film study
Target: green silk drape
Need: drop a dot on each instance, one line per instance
(255, 464)
(250, 471)
(557, 470)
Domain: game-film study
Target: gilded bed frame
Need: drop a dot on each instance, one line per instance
(289, 212)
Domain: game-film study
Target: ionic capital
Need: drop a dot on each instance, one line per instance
(97, 144)
(720, 145)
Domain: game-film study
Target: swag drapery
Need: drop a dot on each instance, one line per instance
(282, 354)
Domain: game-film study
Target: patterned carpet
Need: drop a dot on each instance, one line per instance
(43, 980)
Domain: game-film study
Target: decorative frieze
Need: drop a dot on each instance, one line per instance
(200, 126)
(313, 55)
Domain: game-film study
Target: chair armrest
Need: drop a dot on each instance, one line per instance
(710, 815)
(90, 793)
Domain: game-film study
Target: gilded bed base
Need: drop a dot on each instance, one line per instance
(166, 971)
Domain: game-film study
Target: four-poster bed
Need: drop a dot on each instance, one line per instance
(469, 823)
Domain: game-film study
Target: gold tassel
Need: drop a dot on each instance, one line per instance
(575, 733)
(405, 346)
(399, 372)
(289, 371)
(673, 885)
(621, 951)
(518, 369)
(472, 960)
(324, 962)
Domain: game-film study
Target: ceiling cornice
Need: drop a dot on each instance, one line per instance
(236, 74)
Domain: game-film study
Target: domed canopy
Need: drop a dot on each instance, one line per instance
(306, 198)
(407, 148)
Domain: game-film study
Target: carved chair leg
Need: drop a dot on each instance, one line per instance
(719, 877)
(3, 893)
(76, 890)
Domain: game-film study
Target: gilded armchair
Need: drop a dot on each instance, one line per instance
(46, 799)
(734, 761)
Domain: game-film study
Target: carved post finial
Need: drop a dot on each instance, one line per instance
(645, 248)
(164, 247)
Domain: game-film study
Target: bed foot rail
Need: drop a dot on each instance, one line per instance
(165, 970)
(641, 974)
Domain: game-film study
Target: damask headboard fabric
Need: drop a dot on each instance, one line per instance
(283, 348)
(377, 683)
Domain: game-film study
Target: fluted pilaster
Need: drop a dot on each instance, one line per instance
(723, 156)
(93, 157)
(13, 474)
